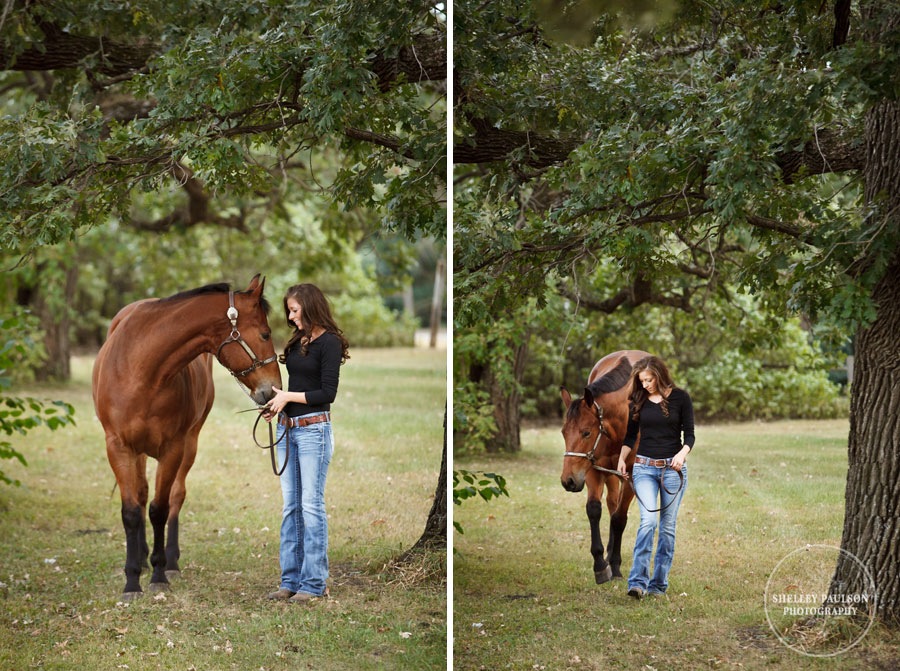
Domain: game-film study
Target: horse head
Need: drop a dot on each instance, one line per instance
(584, 435)
(248, 351)
(595, 424)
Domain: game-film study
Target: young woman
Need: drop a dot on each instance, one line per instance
(313, 357)
(662, 415)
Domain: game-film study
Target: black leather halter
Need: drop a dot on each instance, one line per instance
(232, 316)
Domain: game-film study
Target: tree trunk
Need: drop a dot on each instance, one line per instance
(871, 526)
(409, 300)
(49, 298)
(435, 534)
(506, 400)
(437, 303)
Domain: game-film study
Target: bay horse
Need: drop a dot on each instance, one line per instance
(593, 430)
(153, 389)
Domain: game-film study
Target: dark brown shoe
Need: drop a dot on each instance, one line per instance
(306, 597)
(281, 595)
(303, 597)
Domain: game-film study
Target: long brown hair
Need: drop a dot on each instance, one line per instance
(314, 311)
(664, 385)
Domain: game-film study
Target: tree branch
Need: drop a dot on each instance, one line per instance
(791, 230)
(639, 293)
(841, 22)
(423, 60)
(490, 144)
(387, 141)
(195, 211)
(826, 152)
(61, 50)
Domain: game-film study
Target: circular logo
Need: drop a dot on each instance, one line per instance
(820, 601)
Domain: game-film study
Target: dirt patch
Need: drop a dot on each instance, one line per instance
(756, 638)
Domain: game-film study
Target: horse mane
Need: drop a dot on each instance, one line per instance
(613, 380)
(217, 288)
(610, 381)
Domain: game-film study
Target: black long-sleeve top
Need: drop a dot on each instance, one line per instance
(661, 436)
(317, 374)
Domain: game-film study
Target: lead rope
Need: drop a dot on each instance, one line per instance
(662, 485)
(273, 442)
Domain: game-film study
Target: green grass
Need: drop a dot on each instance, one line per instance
(62, 543)
(524, 593)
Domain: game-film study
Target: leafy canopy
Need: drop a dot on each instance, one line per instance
(230, 101)
(720, 142)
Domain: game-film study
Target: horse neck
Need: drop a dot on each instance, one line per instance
(171, 335)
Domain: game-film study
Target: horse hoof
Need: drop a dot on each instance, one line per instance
(603, 576)
(173, 574)
(131, 596)
(159, 587)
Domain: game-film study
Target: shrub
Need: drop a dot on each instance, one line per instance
(367, 322)
(735, 387)
(21, 415)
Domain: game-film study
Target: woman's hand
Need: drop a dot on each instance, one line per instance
(276, 403)
(679, 459)
(623, 457)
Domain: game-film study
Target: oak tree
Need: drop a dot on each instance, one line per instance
(747, 143)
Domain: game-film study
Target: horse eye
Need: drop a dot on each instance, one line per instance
(265, 336)
(585, 434)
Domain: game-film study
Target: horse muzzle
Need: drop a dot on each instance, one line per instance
(263, 394)
(574, 482)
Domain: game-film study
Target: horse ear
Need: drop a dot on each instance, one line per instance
(588, 396)
(257, 285)
(566, 397)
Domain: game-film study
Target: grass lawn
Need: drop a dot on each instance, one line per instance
(524, 592)
(62, 545)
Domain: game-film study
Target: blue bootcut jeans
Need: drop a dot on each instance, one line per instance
(304, 523)
(647, 485)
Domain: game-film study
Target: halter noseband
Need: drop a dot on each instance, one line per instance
(232, 315)
(590, 455)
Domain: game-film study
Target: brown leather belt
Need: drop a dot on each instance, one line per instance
(304, 420)
(659, 463)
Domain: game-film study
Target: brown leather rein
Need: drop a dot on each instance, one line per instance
(273, 442)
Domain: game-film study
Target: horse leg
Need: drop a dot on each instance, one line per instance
(176, 500)
(126, 469)
(143, 494)
(159, 511)
(618, 520)
(594, 508)
(159, 514)
(173, 550)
